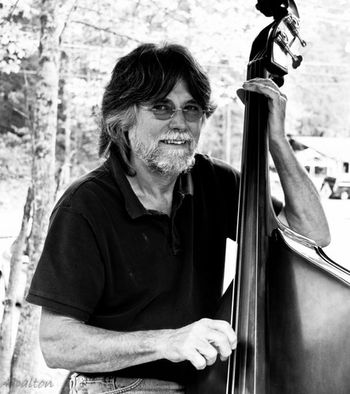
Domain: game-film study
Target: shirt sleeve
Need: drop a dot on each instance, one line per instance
(69, 278)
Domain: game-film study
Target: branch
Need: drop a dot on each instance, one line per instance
(120, 19)
(171, 14)
(6, 129)
(9, 16)
(108, 31)
(73, 7)
(18, 111)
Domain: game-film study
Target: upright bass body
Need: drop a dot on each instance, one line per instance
(289, 304)
(308, 320)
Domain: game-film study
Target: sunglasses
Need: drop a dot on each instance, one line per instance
(164, 111)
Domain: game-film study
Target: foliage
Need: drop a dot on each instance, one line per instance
(219, 34)
(17, 40)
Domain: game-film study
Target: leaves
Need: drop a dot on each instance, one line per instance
(95, 34)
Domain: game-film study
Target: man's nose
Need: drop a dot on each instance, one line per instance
(178, 119)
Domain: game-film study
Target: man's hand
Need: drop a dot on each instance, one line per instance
(200, 342)
(277, 102)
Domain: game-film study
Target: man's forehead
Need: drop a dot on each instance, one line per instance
(168, 99)
(181, 88)
(179, 92)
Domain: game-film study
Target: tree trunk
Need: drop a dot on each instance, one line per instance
(26, 359)
(64, 172)
(44, 136)
(14, 297)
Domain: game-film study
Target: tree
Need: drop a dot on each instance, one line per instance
(52, 15)
(14, 298)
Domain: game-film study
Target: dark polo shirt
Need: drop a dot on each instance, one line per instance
(112, 263)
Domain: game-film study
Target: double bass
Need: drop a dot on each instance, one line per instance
(289, 303)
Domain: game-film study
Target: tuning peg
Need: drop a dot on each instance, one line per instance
(293, 25)
(296, 60)
(282, 40)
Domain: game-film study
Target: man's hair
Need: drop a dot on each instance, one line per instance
(146, 74)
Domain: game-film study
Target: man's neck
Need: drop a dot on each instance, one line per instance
(153, 189)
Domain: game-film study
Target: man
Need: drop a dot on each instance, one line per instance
(132, 267)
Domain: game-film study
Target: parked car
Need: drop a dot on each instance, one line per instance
(337, 187)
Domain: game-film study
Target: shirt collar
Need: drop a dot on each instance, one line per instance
(183, 186)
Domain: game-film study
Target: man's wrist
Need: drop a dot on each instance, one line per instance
(161, 343)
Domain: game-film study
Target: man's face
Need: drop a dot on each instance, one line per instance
(166, 146)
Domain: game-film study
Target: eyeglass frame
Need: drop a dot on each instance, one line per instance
(171, 113)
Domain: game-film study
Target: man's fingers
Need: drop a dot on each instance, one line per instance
(197, 360)
(283, 95)
(262, 81)
(221, 344)
(225, 328)
(266, 90)
(207, 351)
(264, 86)
(219, 339)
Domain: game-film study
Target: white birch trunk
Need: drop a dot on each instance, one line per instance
(25, 359)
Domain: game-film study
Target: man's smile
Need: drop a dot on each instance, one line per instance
(174, 142)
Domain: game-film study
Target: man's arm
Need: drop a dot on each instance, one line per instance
(303, 210)
(70, 344)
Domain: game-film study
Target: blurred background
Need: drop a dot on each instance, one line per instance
(55, 59)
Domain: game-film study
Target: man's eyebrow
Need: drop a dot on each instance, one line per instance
(162, 100)
(192, 101)
(168, 100)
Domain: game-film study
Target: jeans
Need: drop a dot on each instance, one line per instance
(81, 384)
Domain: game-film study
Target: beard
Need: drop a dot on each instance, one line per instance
(163, 159)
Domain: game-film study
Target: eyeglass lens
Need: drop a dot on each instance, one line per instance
(164, 111)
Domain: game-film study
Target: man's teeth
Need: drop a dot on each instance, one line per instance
(176, 142)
